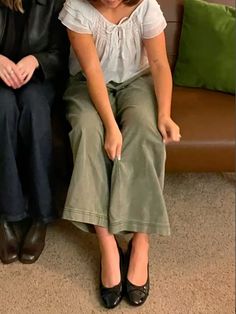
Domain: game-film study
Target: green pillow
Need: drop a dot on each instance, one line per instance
(206, 55)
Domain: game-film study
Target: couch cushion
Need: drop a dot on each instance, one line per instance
(206, 119)
(207, 50)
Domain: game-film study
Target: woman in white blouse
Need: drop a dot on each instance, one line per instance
(120, 119)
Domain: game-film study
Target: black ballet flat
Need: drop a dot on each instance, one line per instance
(136, 295)
(111, 297)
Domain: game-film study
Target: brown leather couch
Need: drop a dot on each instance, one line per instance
(206, 118)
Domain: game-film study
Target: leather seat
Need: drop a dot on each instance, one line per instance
(207, 128)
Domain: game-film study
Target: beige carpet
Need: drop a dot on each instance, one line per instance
(191, 272)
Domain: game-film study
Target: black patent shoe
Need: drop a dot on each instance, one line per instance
(9, 245)
(33, 243)
(136, 295)
(111, 297)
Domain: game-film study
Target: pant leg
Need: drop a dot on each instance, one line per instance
(136, 200)
(12, 204)
(88, 194)
(35, 100)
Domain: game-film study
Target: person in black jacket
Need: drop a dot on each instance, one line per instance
(33, 59)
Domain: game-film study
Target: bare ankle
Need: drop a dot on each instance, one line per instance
(140, 240)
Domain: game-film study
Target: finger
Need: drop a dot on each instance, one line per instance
(14, 79)
(118, 151)
(113, 153)
(178, 135)
(109, 152)
(175, 135)
(5, 80)
(27, 78)
(163, 133)
(8, 77)
(24, 75)
(15, 74)
(22, 71)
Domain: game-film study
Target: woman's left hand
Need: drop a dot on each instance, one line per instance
(169, 130)
(27, 66)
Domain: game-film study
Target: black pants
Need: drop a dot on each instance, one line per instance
(26, 152)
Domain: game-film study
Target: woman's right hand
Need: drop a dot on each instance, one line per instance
(113, 142)
(9, 73)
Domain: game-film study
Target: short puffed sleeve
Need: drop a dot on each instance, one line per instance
(153, 20)
(73, 17)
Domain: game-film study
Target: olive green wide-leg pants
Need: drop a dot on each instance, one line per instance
(125, 195)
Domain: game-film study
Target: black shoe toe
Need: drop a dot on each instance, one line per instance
(9, 246)
(111, 297)
(137, 295)
(33, 244)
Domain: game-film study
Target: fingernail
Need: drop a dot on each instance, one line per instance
(118, 157)
(164, 141)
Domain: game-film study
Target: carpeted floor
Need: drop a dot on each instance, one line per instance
(191, 272)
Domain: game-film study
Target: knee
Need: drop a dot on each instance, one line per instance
(34, 102)
(86, 126)
(87, 122)
(37, 111)
(141, 124)
(8, 105)
(140, 116)
(140, 132)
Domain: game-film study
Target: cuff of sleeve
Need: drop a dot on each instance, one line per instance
(155, 31)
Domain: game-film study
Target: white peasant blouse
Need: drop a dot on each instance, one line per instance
(119, 46)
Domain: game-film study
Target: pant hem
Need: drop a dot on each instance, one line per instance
(14, 218)
(17, 218)
(86, 222)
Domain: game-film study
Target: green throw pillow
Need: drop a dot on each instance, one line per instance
(206, 55)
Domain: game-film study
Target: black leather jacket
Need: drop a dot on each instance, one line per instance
(45, 36)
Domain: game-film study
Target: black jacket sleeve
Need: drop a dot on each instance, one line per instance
(53, 61)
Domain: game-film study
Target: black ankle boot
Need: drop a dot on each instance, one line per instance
(9, 246)
(136, 295)
(33, 243)
(111, 297)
